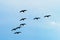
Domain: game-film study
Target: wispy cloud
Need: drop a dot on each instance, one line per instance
(33, 3)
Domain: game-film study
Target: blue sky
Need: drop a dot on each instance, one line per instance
(43, 29)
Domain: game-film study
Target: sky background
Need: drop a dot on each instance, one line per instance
(43, 29)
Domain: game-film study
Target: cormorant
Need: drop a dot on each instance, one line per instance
(22, 19)
(17, 32)
(47, 16)
(23, 11)
(13, 29)
(22, 24)
(36, 18)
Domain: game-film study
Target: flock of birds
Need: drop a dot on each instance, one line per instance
(23, 24)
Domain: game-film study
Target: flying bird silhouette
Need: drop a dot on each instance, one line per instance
(22, 24)
(13, 29)
(18, 27)
(47, 16)
(23, 11)
(36, 18)
(22, 19)
(17, 32)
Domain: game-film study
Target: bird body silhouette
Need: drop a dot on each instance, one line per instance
(18, 27)
(36, 18)
(22, 24)
(22, 19)
(47, 15)
(17, 32)
(13, 29)
(23, 11)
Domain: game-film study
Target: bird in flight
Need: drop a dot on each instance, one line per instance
(22, 24)
(23, 11)
(17, 32)
(18, 27)
(13, 29)
(47, 16)
(36, 18)
(22, 19)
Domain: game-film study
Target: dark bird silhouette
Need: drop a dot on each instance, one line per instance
(23, 11)
(17, 32)
(18, 27)
(22, 24)
(47, 15)
(13, 29)
(22, 19)
(36, 18)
